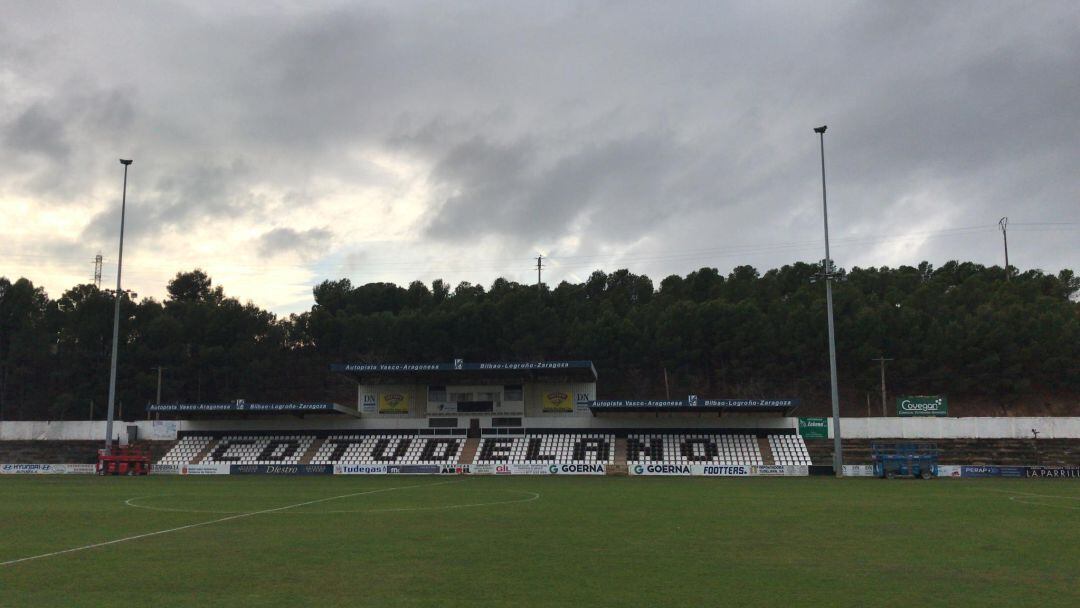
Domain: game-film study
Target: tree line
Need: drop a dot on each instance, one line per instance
(965, 330)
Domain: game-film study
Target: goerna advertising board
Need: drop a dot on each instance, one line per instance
(718, 470)
(660, 469)
(579, 468)
(47, 469)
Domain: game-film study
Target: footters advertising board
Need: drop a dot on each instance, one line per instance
(720, 470)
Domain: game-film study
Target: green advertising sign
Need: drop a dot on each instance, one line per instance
(922, 405)
(814, 428)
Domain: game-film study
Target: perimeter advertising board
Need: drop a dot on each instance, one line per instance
(281, 469)
(922, 405)
(814, 428)
(359, 469)
(47, 469)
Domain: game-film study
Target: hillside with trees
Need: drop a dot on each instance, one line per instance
(994, 346)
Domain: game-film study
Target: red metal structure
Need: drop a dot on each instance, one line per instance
(122, 460)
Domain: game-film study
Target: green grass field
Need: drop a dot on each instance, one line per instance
(538, 541)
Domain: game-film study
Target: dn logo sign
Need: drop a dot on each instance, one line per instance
(582, 398)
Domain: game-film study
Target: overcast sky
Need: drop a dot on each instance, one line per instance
(277, 145)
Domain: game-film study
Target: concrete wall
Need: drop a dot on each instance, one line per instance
(958, 428)
(74, 430)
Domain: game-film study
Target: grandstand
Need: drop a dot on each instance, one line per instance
(503, 413)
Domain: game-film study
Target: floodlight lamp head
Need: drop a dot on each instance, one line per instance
(124, 161)
(821, 129)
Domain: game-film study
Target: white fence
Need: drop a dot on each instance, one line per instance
(958, 428)
(853, 428)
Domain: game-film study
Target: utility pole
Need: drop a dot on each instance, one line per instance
(1004, 222)
(97, 270)
(539, 267)
(838, 455)
(159, 385)
(882, 360)
(116, 316)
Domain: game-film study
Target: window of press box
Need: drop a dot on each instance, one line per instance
(513, 392)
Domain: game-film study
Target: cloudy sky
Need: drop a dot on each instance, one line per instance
(278, 144)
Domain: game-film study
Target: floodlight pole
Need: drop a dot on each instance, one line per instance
(838, 456)
(1004, 223)
(116, 316)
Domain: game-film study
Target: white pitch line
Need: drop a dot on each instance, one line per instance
(1030, 494)
(213, 521)
(532, 496)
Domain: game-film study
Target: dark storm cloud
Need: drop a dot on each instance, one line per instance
(280, 241)
(664, 128)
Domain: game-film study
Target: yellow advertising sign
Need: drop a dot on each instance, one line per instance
(558, 400)
(393, 403)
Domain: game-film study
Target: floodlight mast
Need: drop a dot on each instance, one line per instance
(116, 317)
(838, 454)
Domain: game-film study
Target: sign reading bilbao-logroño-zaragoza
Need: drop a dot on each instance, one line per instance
(922, 405)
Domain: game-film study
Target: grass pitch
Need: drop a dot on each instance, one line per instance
(538, 541)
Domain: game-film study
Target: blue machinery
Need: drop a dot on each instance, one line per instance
(910, 460)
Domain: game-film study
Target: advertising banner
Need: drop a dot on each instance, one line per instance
(721, 470)
(948, 470)
(992, 471)
(858, 470)
(281, 469)
(922, 405)
(413, 469)
(456, 469)
(47, 469)
(1053, 472)
(576, 469)
(769, 470)
(523, 469)
(814, 428)
(359, 469)
(393, 402)
(557, 400)
(369, 403)
(164, 430)
(165, 469)
(213, 468)
(660, 469)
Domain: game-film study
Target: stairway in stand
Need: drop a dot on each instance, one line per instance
(767, 457)
(468, 453)
(312, 451)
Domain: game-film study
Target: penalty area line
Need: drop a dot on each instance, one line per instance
(211, 522)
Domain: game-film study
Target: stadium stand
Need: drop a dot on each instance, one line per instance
(693, 448)
(789, 449)
(272, 449)
(186, 449)
(548, 447)
(383, 449)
